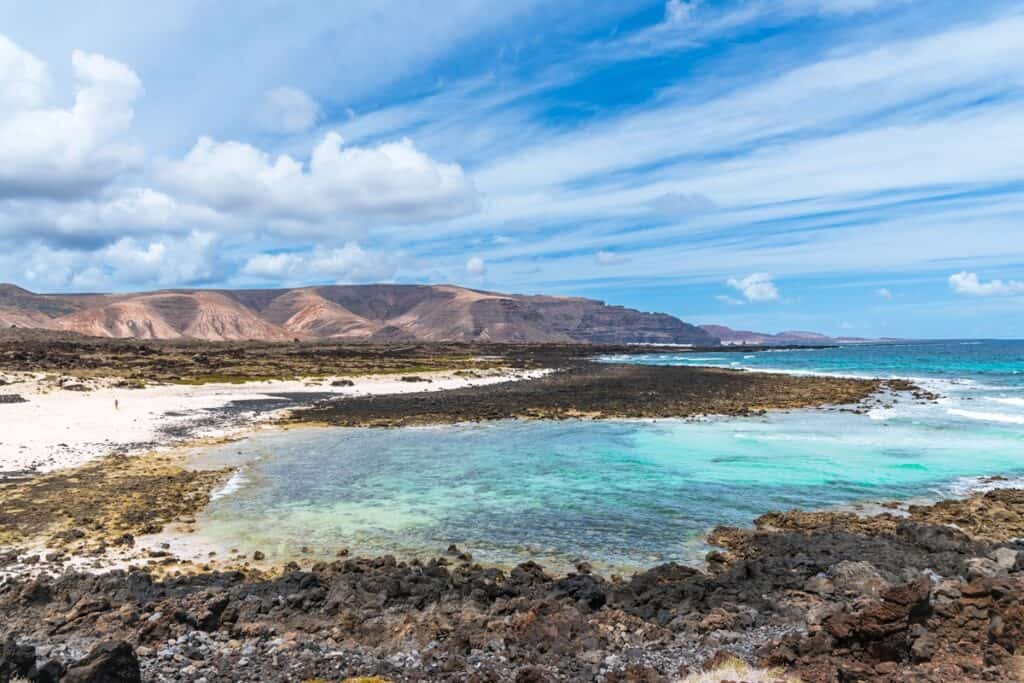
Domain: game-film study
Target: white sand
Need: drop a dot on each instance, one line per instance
(57, 428)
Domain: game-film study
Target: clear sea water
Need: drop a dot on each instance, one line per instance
(627, 494)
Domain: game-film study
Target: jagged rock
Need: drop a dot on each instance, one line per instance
(583, 588)
(980, 567)
(16, 661)
(109, 662)
(820, 585)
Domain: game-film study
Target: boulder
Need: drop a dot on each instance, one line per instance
(16, 661)
(111, 661)
(1005, 559)
(819, 585)
(980, 568)
(858, 578)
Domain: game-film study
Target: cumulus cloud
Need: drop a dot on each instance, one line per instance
(25, 79)
(288, 110)
(392, 181)
(476, 266)
(49, 151)
(756, 287)
(884, 293)
(138, 263)
(609, 258)
(190, 259)
(969, 284)
(115, 212)
(349, 263)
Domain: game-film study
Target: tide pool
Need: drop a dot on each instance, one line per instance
(621, 494)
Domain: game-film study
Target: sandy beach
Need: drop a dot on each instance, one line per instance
(66, 422)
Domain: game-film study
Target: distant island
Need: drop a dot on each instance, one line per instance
(730, 337)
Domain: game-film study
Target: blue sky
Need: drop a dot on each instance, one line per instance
(847, 166)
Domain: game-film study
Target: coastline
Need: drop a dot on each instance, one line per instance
(69, 520)
(63, 422)
(824, 596)
(798, 590)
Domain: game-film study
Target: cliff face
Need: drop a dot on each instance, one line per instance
(357, 312)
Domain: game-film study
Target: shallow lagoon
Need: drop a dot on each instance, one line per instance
(625, 494)
(622, 494)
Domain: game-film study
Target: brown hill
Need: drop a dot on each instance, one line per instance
(356, 312)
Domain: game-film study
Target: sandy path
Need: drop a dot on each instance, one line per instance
(56, 428)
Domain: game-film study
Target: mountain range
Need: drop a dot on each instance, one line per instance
(344, 312)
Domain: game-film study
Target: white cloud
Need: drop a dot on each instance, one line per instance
(884, 293)
(730, 300)
(757, 287)
(288, 110)
(164, 261)
(680, 11)
(969, 284)
(392, 182)
(349, 263)
(24, 78)
(137, 263)
(608, 258)
(115, 212)
(48, 151)
(476, 266)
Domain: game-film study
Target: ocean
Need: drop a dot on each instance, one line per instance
(628, 494)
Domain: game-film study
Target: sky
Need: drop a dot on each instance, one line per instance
(854, 167)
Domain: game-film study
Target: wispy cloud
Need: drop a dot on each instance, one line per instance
(857, 140)
(608, 258)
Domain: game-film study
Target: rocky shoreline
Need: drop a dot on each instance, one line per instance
(916, 593)
(901, 596)
(604, 391)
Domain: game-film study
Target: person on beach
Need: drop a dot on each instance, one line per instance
(117, 406)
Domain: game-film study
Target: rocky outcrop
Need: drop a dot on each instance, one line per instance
(109, 662)
(824, 597)
(358, 313)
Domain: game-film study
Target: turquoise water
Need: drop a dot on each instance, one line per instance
(624, 494)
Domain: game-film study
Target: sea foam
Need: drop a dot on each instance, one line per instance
(986, 416)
